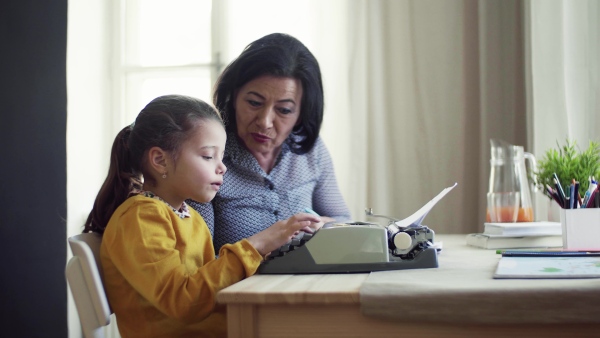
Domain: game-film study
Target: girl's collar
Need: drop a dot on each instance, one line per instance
(184, 212)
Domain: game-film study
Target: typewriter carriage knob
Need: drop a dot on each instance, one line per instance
(402, 241)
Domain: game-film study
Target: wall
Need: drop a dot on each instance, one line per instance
(89, 133)
(33, 194)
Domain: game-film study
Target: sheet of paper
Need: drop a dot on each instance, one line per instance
(416, 218)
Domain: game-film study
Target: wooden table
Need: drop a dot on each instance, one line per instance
(328, 305)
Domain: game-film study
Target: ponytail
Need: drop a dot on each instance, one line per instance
(122, 180)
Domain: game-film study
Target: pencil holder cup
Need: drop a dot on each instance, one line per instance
(580, 228)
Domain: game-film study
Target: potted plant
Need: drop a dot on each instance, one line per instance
(569, 163)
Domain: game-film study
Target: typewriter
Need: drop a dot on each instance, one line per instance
(354, 247)
(360, 246)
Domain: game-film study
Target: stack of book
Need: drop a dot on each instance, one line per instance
(518, 235)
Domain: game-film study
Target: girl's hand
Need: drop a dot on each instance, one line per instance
(316, 226)
(282, 232)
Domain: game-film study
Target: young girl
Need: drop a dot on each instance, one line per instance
(160, 272)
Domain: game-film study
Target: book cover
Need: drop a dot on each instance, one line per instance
(548, 267)
(507, 242)
(523, 229)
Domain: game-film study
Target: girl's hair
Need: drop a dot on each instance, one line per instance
(166, 122)
(278, 55)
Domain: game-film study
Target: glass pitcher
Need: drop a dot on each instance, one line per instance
(509, 178)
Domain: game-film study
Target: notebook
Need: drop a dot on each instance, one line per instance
(509, 242)
(548, 267)
(523, 229)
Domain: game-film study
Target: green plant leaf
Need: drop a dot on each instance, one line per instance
(569, 162)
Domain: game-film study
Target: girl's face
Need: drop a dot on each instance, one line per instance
(266, 110)
(199, 169)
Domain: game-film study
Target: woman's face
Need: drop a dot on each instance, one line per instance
(266, 110)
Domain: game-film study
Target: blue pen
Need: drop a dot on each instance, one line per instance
(589, 192)
(311, 211)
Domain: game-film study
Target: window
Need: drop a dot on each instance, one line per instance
(165, 47)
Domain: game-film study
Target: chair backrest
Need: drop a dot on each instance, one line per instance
(86, 284)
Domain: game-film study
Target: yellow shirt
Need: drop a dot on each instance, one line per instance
(160, 272)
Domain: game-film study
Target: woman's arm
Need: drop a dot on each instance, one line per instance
(327, 198)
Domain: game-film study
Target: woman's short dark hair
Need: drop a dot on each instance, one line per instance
(279, 55)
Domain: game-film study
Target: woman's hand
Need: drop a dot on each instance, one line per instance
(282, 232)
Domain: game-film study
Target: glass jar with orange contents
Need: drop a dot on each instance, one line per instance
(509, 194)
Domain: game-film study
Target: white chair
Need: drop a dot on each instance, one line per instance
(85, 281)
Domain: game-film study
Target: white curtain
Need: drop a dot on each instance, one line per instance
(430, 82)
(564, 65)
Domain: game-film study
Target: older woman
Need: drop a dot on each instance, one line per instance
(272, 99)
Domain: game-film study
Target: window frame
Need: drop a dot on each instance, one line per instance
(121, 96)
